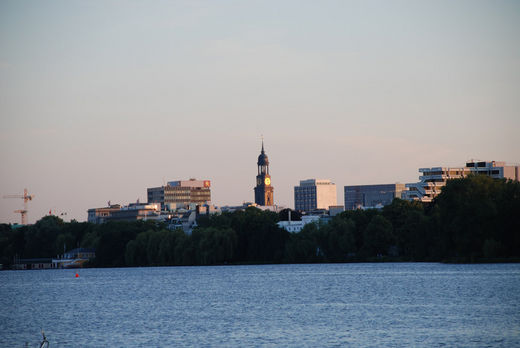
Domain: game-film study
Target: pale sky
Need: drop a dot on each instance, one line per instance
(101, 99)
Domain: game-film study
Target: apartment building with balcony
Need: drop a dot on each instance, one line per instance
(434, 179)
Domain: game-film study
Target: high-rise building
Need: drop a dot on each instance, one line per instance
(182, 192)
(434, 179)
(263, 190)
(371, 196)
(314, 194)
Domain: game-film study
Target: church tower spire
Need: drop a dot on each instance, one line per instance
(263, 189)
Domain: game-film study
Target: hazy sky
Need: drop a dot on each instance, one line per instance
(101, 99)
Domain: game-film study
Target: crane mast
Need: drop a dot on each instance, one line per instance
(26, 198)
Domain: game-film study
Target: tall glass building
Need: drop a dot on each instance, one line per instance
(371, 196)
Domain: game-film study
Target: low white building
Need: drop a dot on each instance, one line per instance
(133, 211)
(297, 226)
(138, 211)
(100, 215)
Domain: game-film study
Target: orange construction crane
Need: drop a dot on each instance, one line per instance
(26, 198)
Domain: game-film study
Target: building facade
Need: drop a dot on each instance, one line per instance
(371, 196)
(434, 179)
(182, 192)
(137, 211)
(39, 263)
(336, 210)
(496, 170)
(100, 215)
(133, 211)
(75, 258)
(264, 192)
(313, 194)
(297, 226)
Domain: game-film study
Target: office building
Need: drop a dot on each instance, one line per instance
(133, 211)
(137, 211)
(371, 196)
(181, 193)
(314, 194)
(100, 215)
(496, 170)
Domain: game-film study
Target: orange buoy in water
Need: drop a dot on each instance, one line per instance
(77, 275)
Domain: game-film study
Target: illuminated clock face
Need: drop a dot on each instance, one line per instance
(267, 181)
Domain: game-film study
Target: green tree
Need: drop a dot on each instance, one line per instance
(12, 243)
(378, 237)
(168, 254)
(259, 238)
(40, 238)
(215, 246)
(414, 237)
(477, 209)
(113, 238)
(361, 219)
(303, 247)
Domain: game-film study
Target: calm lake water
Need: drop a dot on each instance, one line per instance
(357, 305)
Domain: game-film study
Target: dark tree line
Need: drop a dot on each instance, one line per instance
(474, 219)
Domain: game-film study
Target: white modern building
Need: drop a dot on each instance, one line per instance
(297, 226)
(314, 194)
(434, 179)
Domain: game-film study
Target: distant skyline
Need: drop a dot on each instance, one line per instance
(101, 99)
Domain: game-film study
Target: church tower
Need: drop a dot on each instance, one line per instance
(263, 189)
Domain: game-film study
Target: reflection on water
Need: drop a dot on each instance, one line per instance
(405, 304)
